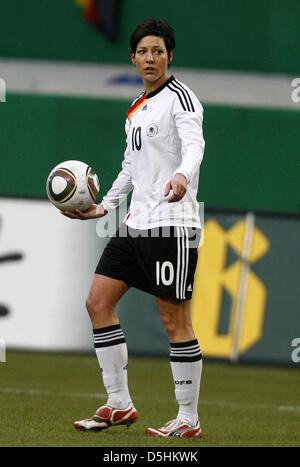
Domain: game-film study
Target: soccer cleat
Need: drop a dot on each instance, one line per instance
(107, 416)
(177, 428)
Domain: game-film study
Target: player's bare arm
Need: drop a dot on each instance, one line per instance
(178, 185)
(93, 212)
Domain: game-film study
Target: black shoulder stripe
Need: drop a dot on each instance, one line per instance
(179, 96)
(183, 95)
(187, 93)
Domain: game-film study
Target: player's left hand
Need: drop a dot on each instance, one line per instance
(93, 212)
(178, 185)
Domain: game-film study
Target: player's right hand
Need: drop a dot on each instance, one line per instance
(93, 212)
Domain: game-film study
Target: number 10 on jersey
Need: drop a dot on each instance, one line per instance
(136, 138)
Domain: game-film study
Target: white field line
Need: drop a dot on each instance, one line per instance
(228, 404)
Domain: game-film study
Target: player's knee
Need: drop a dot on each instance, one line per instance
(95, 307)
(89, 304)
(169, 324)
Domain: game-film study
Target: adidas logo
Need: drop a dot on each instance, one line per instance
(189, 289)
(145, 107)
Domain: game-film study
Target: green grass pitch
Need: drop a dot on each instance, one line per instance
(42, 394)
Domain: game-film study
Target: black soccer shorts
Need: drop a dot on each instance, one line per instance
(160, 261)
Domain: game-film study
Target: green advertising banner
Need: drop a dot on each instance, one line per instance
(246, 300)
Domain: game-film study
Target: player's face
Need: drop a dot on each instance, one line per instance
(151, 60)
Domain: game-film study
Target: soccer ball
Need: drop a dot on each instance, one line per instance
(72, 185)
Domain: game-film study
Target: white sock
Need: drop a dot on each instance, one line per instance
(112, 354)
(186, 365)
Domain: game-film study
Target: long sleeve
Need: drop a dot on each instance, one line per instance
(189, 127)
(122, 186)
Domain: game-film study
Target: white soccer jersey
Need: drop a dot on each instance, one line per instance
(164, 137)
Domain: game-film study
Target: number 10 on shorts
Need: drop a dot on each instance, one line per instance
(164, 273)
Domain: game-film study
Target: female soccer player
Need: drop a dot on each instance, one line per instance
(155, 249)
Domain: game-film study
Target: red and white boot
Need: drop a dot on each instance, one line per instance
(107, 416)
(177, 428)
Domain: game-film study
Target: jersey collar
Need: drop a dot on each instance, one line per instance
(144, 97)
(153, 93)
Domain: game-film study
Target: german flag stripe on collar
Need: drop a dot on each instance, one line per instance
(144, 97)
(137, 105)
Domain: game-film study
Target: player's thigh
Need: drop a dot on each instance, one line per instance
(105, 292)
